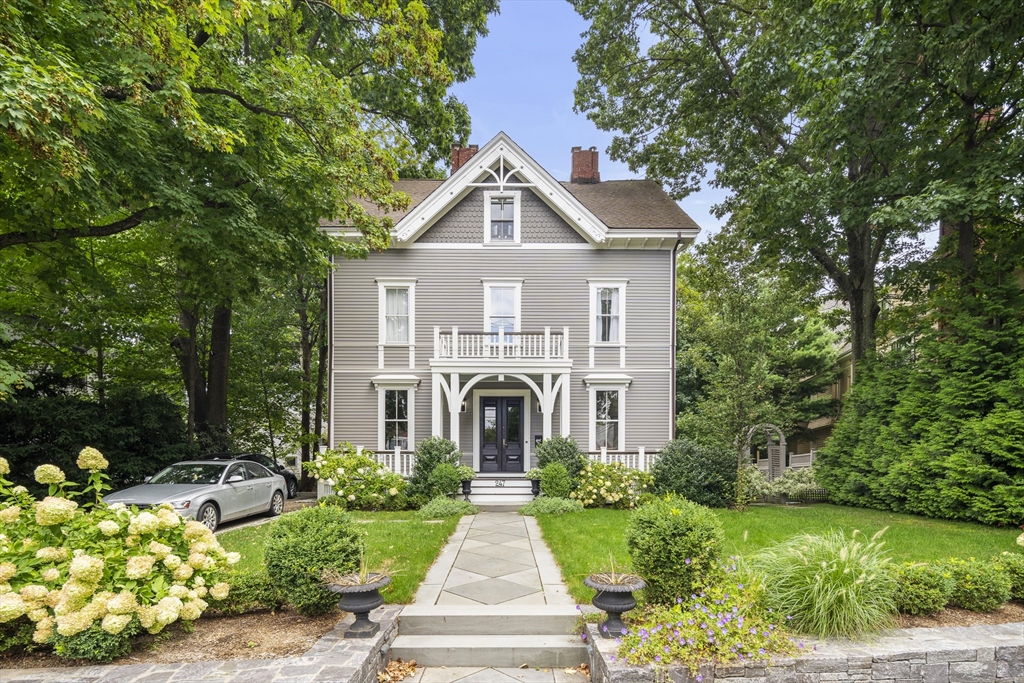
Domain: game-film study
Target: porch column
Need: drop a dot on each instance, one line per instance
(564, 412)
(547, 404)
(436, 401)
(455, 405)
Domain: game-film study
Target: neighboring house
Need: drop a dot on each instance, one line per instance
(511, 307)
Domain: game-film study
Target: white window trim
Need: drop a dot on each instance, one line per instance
(595, 383)
(500, 284)
(516, 218)
(396, 383)
(596, 285)
(383, 285)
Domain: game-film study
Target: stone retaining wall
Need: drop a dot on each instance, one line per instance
(978, 654)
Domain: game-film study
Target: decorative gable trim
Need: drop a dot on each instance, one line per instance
(479, 171)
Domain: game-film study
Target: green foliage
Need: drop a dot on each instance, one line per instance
(675, 545)
(922, 588)
(611, 484)
(563, 450)
(16, 634)
(442, 507)
(1012, 565)
(751, 485)
(722, 622)
(430, 453)
(359, 482)
(547, 505)
(466, 473)
(795, 482)
(936, 427)
(830, 584)
(704, 474)
(555, 481)
(96, 644)
(252, 591)
(444, 480)
(532, 473)
(302, 545)
(139, 434)
(979, 586)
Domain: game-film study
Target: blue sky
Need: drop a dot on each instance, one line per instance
(524, 86)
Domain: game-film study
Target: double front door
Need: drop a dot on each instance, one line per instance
(501, 434)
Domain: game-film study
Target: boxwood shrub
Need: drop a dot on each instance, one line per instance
(922, 588)
(563, 450)
(980, 586)
(429, 454)
(1013, 565)
(554, 480)
(675, 546)
(304, 543)
(444, 480)
(703, 474)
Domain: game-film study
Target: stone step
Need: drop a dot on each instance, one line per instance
(453, 620)
(510, 498)
(495, 651)
(480, 483)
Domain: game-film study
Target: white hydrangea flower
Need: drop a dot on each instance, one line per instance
(42, 634)
(159, 549)
(38, 615)
(122, 603)
(34, 592)
(178, 592)
(7, 571)
(49, 474)
(233, 558)
(144, 523)
(91, 459)
(11, 607)
(18, 490)
(50, 575)
(115, 623)
(86, 568)
(5, 467)
(169, 519)
(51, 511)
(220, 591)
(183, 573)
(200, 561)
(75, 622)
(139, 566)
(109, 527)
(192, 610)
(195, 531)
(172, 561)
(51, 554)
(10, 514)
(168, 610)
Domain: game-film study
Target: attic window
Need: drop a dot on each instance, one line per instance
(501, 217)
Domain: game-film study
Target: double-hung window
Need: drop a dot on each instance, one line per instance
(396, 315)
(501, 218)
(607, 319)
(396, 419)
(502, 308)
(396, 318)
(606, 419)
(607, 314)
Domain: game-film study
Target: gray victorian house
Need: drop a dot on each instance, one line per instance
(511, 307)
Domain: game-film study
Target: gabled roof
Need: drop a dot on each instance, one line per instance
(592, 209)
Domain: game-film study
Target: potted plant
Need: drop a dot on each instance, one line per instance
(534, 477)
(614, 596)
(466, 476)
(360, 595)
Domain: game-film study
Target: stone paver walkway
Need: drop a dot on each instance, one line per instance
(494, 558)
(476, 674)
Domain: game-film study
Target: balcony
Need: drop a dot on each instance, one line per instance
(501, 345)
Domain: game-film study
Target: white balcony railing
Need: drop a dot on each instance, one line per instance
(501, 345)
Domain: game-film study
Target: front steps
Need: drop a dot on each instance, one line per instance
(489, 635)
(499, 490)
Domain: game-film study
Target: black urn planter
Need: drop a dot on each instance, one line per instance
(614, 598)
(467, 487)
(360, 600)
(535, 487)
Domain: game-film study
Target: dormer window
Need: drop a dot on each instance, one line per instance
(501, 218)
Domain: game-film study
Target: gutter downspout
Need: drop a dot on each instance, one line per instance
(672, 380)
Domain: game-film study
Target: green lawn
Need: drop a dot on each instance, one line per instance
(410, 543)
(582, 542)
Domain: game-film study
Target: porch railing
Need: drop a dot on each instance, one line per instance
(501, 344)
(641, 459)
(800, 460)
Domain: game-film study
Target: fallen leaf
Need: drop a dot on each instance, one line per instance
(396, 671)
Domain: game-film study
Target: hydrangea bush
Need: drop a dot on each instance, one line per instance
(69, 562)
(611, 484)
(361, 481)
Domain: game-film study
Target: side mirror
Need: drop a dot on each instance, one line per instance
(146, 480)
(235, 478)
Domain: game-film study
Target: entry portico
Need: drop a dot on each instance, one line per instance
(462, 360)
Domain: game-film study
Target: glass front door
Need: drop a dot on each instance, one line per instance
(501, 434)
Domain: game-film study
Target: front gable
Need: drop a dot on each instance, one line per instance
(500, 166)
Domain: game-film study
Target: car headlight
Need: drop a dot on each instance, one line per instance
(181, 504)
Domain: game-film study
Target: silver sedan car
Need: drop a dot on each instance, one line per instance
(212, 491)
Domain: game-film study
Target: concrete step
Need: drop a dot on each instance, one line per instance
(501, 483)
(499, 499)
(454, 620)
(495, 651)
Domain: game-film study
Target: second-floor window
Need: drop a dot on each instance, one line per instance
(502, 308)
(396, 322)
(607, 314)
(503, 218)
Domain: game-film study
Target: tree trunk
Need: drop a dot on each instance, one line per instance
(323, 360)
(186, 350)
(216, 424)
(305, 363)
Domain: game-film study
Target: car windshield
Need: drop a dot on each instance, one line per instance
(189, 474)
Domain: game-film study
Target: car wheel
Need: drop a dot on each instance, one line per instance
(209, 516)
(276, 504)
(293, 488)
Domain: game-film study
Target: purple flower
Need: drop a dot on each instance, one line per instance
(753, 631)
(788, 618)
(740, 586)
(657, 658)
(578, 608)
(604, 628)
(760, 650)
(686, 561)
(583, 636)
(679, 601)
(611, 657)
(800, 645)
(666, 649)
(625, 632)
(699, 678)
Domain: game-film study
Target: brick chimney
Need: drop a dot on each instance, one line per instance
(460, 155)
(584, 166)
